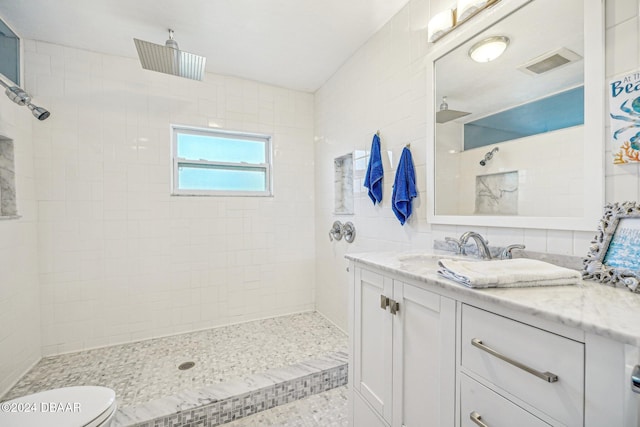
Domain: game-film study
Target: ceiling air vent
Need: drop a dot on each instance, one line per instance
(549, 61)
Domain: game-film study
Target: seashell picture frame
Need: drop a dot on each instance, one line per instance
(614, 254)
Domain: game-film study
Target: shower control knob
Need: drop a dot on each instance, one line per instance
(336, 231)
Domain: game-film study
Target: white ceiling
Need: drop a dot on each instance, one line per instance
(296, 44)
(497, 85)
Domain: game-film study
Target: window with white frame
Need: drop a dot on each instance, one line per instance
(219, 162)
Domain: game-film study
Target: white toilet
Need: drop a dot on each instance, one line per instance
(82, 406)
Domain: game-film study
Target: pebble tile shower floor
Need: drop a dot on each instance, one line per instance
(143, 371)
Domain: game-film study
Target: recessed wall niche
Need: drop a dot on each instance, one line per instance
(343, 184)
(7, 179)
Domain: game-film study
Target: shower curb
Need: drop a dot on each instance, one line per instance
(225, 402)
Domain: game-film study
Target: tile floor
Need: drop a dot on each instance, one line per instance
(223, 402)
(146, 370)
(327, 409)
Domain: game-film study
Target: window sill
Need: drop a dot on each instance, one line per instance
(225, 194)
(3, 217)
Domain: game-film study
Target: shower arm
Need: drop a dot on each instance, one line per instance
(488, 156)
(22, 98)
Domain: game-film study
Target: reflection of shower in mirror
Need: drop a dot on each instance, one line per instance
(489, 156)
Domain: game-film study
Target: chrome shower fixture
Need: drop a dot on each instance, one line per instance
(444, 114)
(489, 156)
(38, 112)
(169, 59)
(18, 95)
(22, 98)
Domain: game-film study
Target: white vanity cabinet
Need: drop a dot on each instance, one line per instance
(425, 351)
(402, 337)
(541, 372)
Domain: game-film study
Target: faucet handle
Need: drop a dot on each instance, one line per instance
(337, 231)
(457, 243)
(507, 254)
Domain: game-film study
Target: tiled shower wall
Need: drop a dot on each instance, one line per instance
(122, 260)
(383, 86)
(19, 294)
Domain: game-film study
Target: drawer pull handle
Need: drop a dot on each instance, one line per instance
(476, 418)
(547, 376)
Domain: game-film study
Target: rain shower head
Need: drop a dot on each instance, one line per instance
(445, 115)
(169, 59)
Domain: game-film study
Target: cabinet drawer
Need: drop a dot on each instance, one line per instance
(493, 409)
(531, 347)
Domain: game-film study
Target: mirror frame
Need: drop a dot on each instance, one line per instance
(594, 123)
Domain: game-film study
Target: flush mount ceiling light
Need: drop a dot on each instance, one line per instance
(488, 49)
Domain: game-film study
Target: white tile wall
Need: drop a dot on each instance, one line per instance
(120, 259)
(19, 294)
(382, 86)
(542, 165)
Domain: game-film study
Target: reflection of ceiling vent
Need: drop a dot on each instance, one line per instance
(549, 61)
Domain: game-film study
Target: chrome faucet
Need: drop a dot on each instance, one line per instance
(481, 243)
(506, 252)
(456, 243)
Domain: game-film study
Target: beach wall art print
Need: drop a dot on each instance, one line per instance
(624, 115)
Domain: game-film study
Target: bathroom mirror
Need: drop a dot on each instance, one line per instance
(518, 141)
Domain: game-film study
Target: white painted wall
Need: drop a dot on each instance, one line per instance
(19, 293)
(382, 86)
(122, 260)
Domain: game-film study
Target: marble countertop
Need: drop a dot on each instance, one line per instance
(589, 306)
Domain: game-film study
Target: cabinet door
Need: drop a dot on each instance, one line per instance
(423, 358)
(363, 415)
(372, 341)
(610, 400)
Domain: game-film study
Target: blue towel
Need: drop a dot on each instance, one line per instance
(373, 177)
(404, 187)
